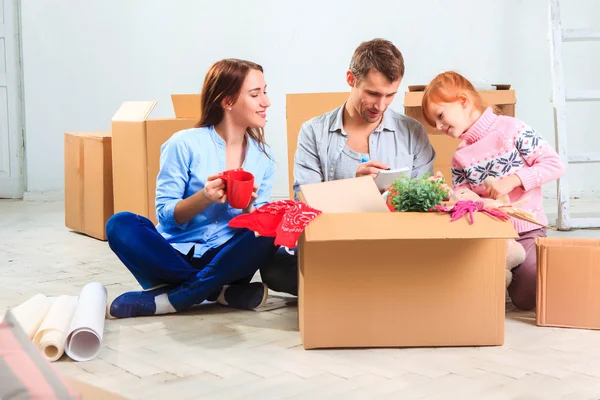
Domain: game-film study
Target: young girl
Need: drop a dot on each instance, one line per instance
(193, 255)
(499, 147)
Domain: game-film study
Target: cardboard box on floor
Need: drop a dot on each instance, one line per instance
(88, 182)
(445, 146)
(567, 283)
(136, 150)
(372, 278)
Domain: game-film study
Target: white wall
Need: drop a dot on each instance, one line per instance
(83, 58)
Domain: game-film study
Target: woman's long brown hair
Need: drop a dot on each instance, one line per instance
(223, 80)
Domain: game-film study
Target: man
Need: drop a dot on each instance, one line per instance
(359, 138)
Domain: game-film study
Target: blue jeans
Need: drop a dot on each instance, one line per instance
(153, 261)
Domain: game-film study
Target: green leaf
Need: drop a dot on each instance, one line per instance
(418, 195)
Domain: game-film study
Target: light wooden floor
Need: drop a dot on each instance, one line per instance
(219, 353)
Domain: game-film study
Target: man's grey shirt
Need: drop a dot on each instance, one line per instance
(399, 141)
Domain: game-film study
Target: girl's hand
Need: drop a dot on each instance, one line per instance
(501, 187)
(214, 190)
(250, 207)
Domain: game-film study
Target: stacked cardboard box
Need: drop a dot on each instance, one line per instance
(88, 182)
(116, 171)
(136, 154)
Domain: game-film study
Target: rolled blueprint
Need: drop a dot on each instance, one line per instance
(52, 333)
(31, 313)
(87, 326)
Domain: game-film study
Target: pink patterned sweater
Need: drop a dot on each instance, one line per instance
(499, 146)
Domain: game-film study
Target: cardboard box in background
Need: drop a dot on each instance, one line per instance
(136, 151)
(444, 145)
(299, 109)
(88, 182)
(372, 278)
(186, 105)
(568, 291)
(302, 107)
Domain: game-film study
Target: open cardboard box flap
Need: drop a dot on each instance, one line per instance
(134, 111)
(353, 209)
(184, 105)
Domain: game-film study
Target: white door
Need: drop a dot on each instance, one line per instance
(11, 126)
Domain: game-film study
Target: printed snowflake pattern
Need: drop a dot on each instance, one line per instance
(501, 166)
(513, 160)
(527, 143)
(460, 176)
(486, 171)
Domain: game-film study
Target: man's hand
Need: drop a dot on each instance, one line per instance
(250, 207)
(214, 190)
(501, 187)
(371, 168)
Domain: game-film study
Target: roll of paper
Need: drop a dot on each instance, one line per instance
(31, 313)
(84, 337)
(52, 333)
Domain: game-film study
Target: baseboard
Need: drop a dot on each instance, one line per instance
(44, 195)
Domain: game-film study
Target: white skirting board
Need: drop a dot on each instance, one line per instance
(43, 196)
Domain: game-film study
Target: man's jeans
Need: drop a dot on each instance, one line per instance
(281, 274)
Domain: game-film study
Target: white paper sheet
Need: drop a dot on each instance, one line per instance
(31, 313)
(87, 326)
(52, 333)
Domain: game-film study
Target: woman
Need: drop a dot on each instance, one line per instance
(193, 255)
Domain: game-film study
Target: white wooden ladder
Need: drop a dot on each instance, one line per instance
(560, 97)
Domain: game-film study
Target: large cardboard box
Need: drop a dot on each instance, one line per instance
(445, 146)
(372, 278)
(88, 182)
(568, 290)
(136, 152)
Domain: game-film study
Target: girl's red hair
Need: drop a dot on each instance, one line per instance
(449, 87)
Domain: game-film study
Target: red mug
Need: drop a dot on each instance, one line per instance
(239, 185)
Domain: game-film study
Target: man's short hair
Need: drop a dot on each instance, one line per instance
(380, 55)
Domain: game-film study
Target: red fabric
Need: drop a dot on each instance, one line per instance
(462, 207)
(388, 202)
(285, 220)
